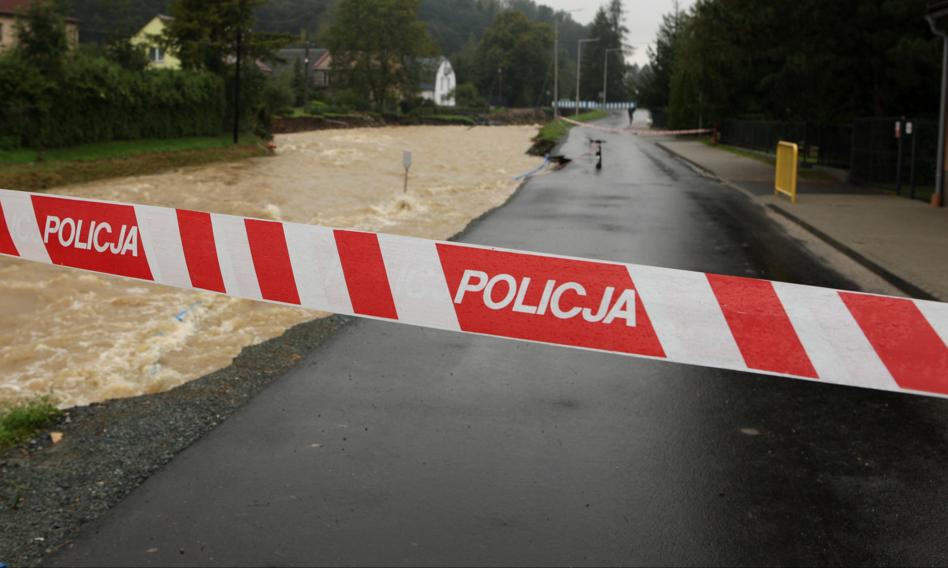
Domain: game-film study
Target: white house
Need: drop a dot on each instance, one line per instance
(438, 81)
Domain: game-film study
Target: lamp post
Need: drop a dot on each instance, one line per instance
(579, 64)
(605, 74)
(556, 59)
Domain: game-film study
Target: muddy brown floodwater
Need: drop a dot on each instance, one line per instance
(82, 338)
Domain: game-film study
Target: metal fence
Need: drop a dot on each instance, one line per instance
(869, 148)
(905, 163)
(828, 145)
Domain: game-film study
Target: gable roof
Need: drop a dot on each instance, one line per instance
(290, 55)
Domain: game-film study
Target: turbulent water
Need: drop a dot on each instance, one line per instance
(83, 338)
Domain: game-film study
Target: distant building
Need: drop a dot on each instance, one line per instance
(318, 59)
(146, 38)
(438, 81)
(8, 35)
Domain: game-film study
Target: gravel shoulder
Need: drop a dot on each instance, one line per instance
(47, 492)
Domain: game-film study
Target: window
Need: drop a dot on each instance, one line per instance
(156, 54)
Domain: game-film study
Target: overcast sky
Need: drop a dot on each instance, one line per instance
(642, 18)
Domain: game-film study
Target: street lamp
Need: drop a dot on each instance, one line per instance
(605, 73)
(556, 59)
(579, 61)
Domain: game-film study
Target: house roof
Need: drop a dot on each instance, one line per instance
(10, 7)
(290, 55)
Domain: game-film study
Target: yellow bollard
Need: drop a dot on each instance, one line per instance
(786, 178)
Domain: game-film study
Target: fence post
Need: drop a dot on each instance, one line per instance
(912, 174)
(899, 134)
(851, 176)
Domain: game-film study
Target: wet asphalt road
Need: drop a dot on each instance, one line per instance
(398, 445)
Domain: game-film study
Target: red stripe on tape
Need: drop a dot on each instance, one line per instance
(102, 237)
(907, 344)
(6, 241)
(366, 277)
(760, 325)
(271, 261)
(200, 252)
(553, 300)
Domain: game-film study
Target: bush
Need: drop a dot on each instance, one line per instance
(466, 96)
(317, 108)
(278, 96)
(347, 101)
(98, 101)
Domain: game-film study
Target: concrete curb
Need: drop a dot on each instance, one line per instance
(892, 278)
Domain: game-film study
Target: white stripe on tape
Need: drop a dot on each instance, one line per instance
(687, 317)
(836, 346)
(161, 240)
(233, 252)
(418, 287)
(21, 222)
(317, 269)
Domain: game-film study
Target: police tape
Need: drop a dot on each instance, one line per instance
(638, 131)
(710, 320)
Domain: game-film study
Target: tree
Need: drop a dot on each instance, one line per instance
(833, 62)
(607, 26)
(41, 32)
(514, 60)
(376, 45)
(127, 55)
(203, 32)
(655, 86)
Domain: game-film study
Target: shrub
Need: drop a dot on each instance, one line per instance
(317, 108)
(99, 101)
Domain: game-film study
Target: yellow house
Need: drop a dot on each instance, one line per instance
(146, 37)
(8, 36)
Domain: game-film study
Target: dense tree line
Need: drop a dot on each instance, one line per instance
(806, 60)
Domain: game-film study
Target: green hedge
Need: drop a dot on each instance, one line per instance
(95, 100)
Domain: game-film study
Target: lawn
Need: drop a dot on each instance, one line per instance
(24, 170)
(118, 149)
(804, 173)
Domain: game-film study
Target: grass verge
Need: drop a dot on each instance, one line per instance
(803, 173)
(20, 169)
(23, 420)
(553, 131)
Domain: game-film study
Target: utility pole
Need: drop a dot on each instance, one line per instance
(237, 88)
(579, 64)
(605, 74)
(500, 85)
(306, 68)
(556, 67)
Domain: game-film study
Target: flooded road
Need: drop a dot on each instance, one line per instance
(83, 338)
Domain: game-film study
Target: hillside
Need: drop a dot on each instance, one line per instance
(451, 23)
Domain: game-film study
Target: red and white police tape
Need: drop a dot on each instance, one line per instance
(638, 131)
(703, 319)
